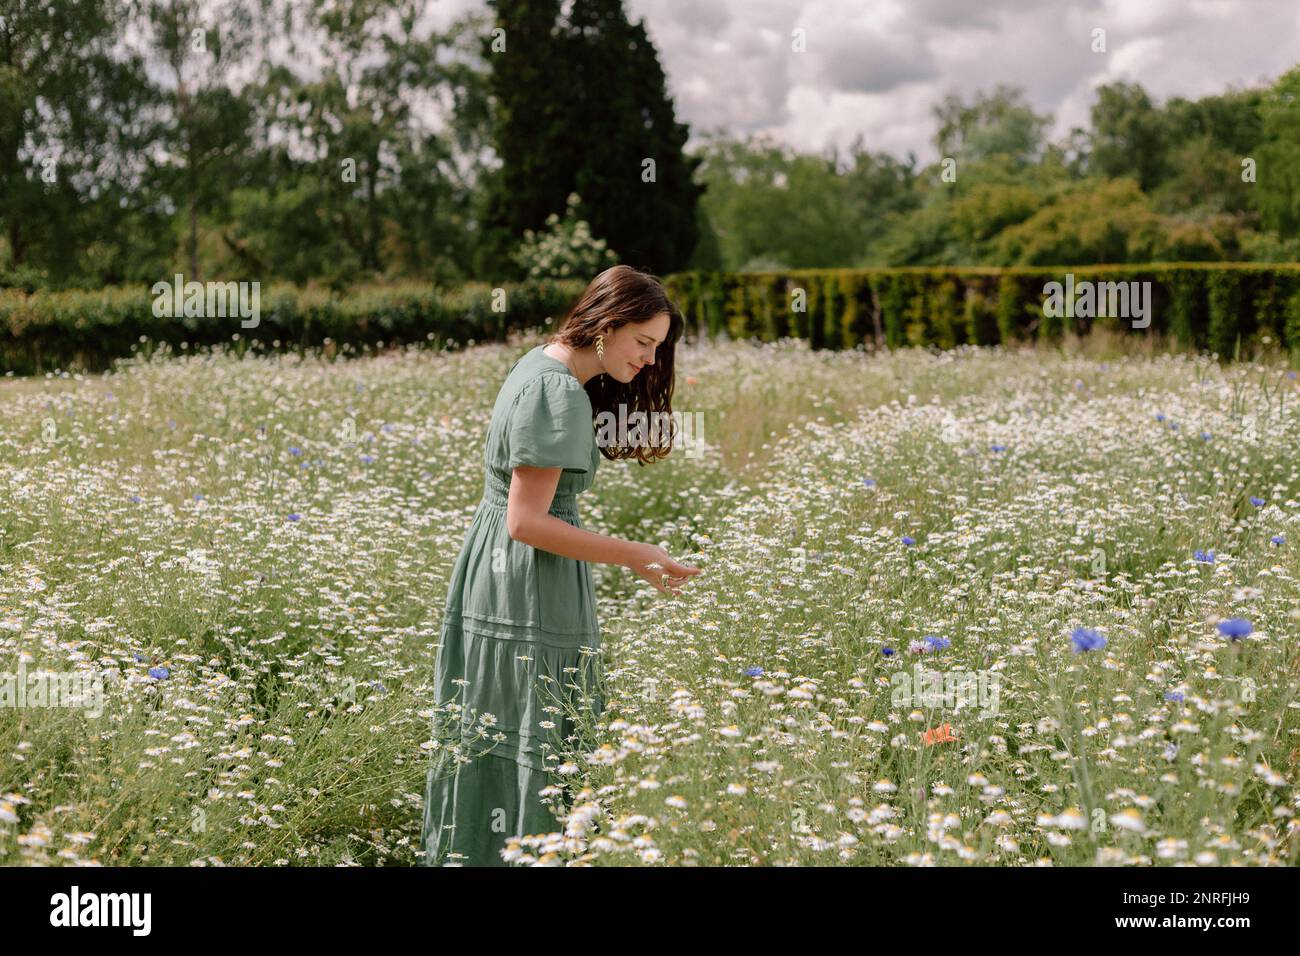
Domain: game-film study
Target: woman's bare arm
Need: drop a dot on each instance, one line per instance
(528, 521)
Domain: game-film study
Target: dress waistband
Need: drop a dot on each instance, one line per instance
(496, 494)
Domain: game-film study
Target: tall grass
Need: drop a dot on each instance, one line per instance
(277, 532)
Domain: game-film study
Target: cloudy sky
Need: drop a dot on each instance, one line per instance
(876, 67)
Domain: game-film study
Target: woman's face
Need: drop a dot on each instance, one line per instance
(631, 347)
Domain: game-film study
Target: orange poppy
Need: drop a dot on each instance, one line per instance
(939, 735)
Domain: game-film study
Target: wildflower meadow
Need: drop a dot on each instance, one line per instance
(985, 607)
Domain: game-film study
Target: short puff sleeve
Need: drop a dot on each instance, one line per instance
(551, 425)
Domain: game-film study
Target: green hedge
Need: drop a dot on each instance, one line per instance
(1216, 307)
(42, 331)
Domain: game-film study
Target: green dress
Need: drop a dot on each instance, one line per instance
(520, 627)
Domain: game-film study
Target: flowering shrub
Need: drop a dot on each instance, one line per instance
(565, 250)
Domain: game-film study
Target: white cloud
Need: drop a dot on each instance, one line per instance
(876, 67)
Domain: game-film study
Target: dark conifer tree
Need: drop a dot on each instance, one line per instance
(581, 106)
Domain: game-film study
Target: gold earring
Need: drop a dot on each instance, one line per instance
(600, 347)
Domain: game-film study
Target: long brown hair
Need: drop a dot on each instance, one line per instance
(619, 295)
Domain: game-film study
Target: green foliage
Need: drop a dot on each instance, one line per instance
(893, 294)
(1291, 320)
(1148, 183)
(330, 175)
(1009, 309)
(1196, 305)
(916, 313)
(1223, 296)
(816, 304)
(769, 311)
(854, 325)
(1186, 318)
(772, 209)
(566, 250)
(1130, 135)
(1000, 123)
(49, 330)
(1205, 180)
(1266, 310)
(1092, 224)
(579, 105)
(981, 318)
(1277, 193)
(943, 313)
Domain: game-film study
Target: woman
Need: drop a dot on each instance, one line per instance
(518, 656)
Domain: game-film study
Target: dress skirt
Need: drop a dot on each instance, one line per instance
(517, 673)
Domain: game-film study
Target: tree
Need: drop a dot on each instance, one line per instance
(68, 102)
(206, 121)
(581, 107)
(1276, 192)
(1000, 123)
(361, 184)
(1130, 135)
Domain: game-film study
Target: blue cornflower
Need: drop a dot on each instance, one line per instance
(159, 673)
(197, 496)
(1160, 416)
(1277, 539)
(998, 447)
(869, 482)
(1174, 695)
(753, 670)
(295, 516)
(934, 643)
(1257, 502)
(136, 498)
(388, 427)
(1086, 639)
(1206, 435)
(295, 450)
(887, 651)
(367, 458)
(908, 540)
(1205, 556)
(1235, 627)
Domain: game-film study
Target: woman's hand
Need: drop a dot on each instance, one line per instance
(653, 564)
